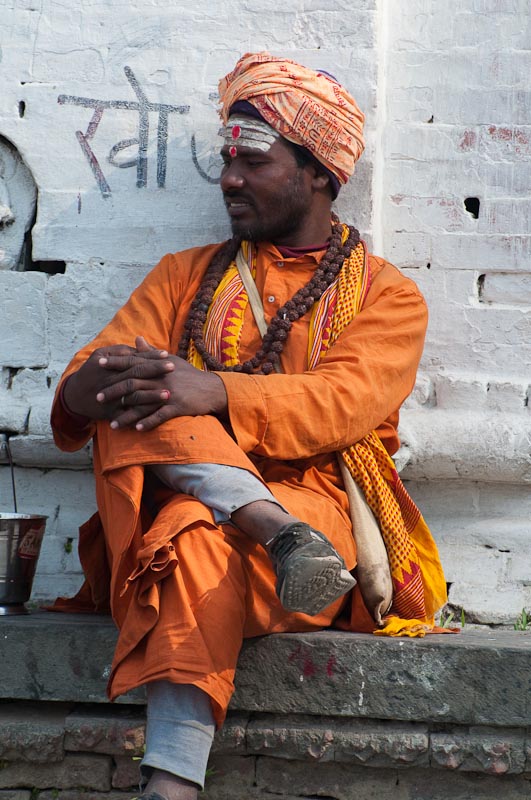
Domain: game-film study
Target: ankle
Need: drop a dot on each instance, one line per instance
(262, 520)
(170, 787)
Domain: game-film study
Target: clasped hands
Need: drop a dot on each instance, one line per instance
(142, 387)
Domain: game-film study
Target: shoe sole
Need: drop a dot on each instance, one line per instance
(314, 586)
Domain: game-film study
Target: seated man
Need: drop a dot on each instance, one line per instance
(222, 510)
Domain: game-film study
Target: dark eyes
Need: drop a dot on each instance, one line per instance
(249, 162)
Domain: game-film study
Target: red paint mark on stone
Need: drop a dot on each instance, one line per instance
(293, 656)
(331, 665)
(308, 667)
(500, 134)
(304, 661)
(468, 140)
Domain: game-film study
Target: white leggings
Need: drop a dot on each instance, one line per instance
(222, 488)
(179, 732)
(180, 722)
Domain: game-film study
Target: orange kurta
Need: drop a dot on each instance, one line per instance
(182, 590)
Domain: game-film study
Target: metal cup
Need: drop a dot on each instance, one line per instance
(20, 544)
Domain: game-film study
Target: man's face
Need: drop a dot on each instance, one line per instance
(267, 194)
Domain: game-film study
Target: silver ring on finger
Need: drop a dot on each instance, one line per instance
(122, 401)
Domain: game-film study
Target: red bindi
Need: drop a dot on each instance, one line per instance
(236, 132)
(233, 151)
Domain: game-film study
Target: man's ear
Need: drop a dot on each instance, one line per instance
(321, 181)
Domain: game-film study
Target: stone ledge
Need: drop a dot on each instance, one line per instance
(478, 677)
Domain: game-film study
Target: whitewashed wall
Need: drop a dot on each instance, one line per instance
(458, 127)
(446, 100)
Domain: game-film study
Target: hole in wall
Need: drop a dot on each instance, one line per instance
(481, 287)
(472, 206)
(430, 120)
(428, 265)
(27, 264)
(21, 109)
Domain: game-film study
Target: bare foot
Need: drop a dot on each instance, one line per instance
(170, 786)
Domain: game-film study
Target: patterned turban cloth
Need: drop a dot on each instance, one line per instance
(306, 107)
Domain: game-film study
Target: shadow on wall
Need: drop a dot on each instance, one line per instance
(18, 212)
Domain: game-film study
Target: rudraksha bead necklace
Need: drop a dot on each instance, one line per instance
(265, 359)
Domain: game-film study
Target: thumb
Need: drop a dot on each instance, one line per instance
(142, 345)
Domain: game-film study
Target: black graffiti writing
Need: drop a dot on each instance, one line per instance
(143, 107)
(197, 165)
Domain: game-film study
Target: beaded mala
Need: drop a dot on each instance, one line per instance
(265, 359)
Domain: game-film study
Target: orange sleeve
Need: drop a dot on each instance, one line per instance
(360, 383)
(149, 312)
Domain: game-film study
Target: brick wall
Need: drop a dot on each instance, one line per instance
(441, 191)
(64, 752)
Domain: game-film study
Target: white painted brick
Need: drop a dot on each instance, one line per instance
(455, 251)
(465, 335)
(517, 568)
(407, 249)
(411, 212)
(463, 564)
(14, 413)
(501, 215)
(487, 514)
(40, 451)
(23, 321)
(82, 301)
(506, 502)
(467, 444)
(46, 590)
(39, 416)
(482, 534)
(423, 393)
(505, 142)
(29, 382)
(501, 606)
(460, 392)
(507, 396)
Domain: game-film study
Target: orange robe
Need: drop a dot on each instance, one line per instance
(183, 591)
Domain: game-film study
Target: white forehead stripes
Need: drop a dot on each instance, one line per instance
(248, 132)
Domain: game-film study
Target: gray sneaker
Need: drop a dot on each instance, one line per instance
(310, 572)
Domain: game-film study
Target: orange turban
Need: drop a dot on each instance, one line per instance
(309, 108)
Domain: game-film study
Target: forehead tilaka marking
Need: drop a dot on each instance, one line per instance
(248, 132)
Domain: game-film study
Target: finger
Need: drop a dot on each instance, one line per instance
(128, 417)
(130, 389)
(143, 397)
(138, 362)
(113, 350)
(153, 420)
(143, 346)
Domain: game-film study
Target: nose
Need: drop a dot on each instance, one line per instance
(231, 176)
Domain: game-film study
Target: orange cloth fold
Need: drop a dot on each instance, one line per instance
(306, 107)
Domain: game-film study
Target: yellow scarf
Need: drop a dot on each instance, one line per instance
(419, 587)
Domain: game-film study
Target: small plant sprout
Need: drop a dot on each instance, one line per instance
(523, 621)
(446, 619)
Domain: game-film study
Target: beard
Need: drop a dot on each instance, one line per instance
(278, 216)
